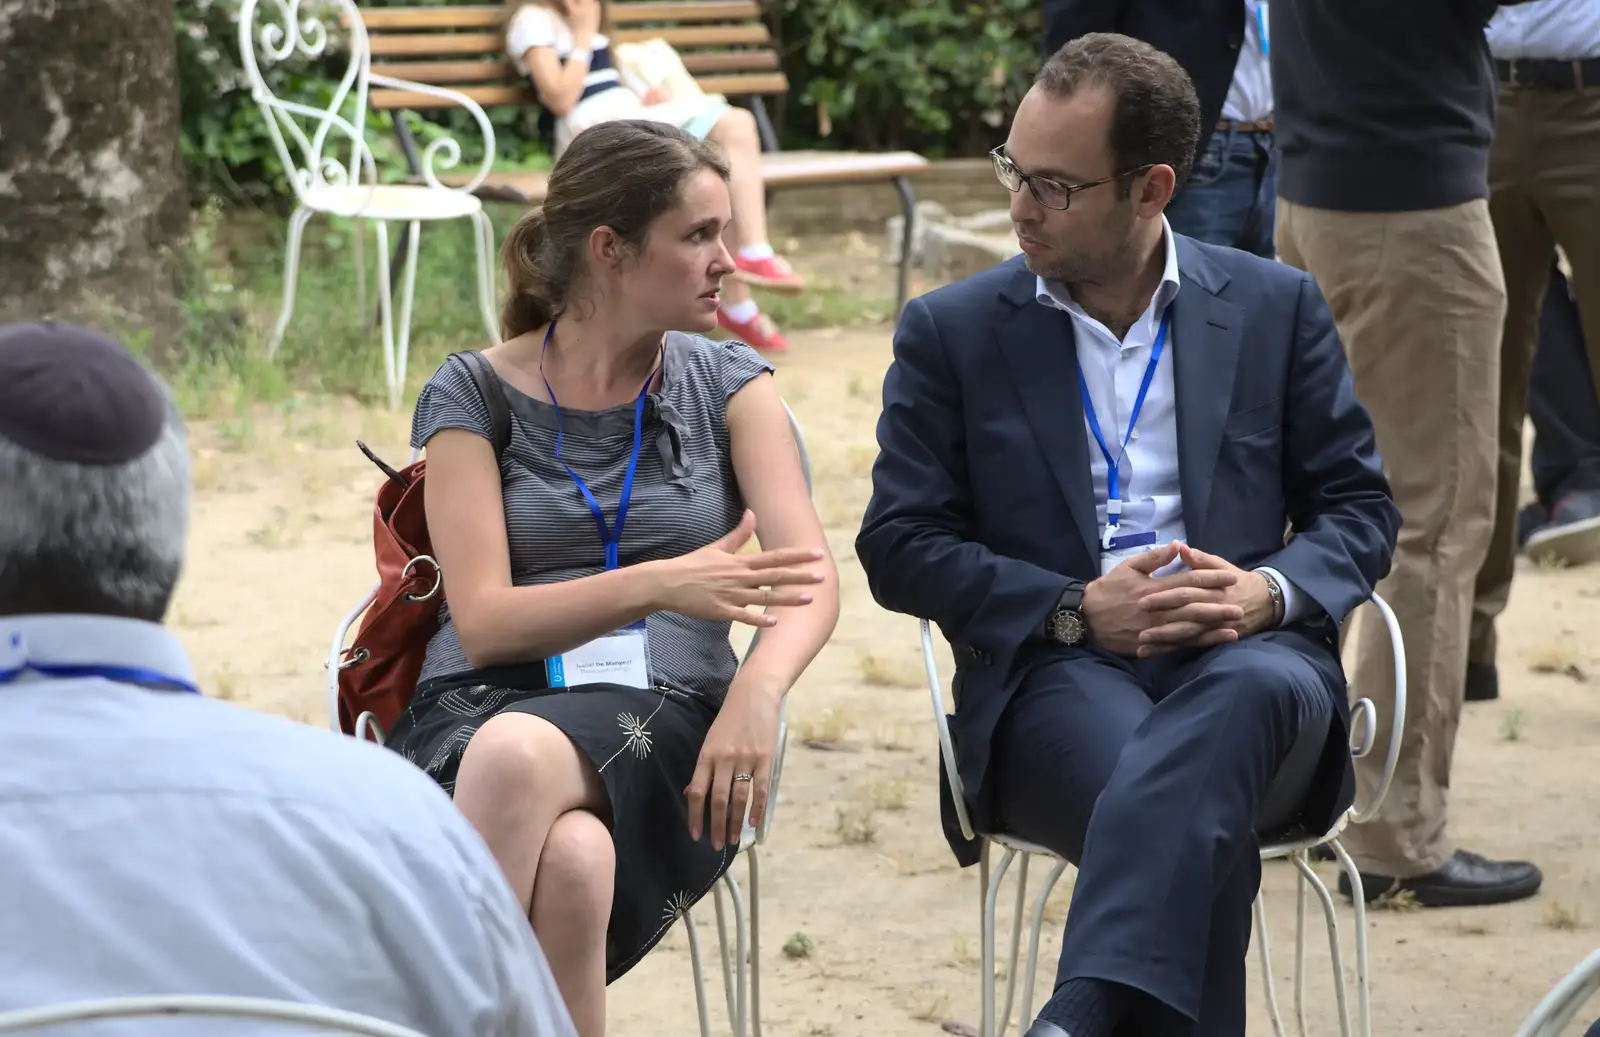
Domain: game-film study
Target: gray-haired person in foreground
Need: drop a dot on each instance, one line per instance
(155, 841)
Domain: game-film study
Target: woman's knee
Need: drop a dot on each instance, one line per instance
(577, 869)
(736, 130)
(513, 754)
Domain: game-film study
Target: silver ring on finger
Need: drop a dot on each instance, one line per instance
(743, 777)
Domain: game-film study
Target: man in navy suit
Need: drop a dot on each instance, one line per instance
(1088, 460)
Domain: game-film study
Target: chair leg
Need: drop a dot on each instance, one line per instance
(1030, 970)
(397, 342)
(1332, 915)
(1263, 944)
(291, 276)
(699, 975)
(724, 954)
(734, 973)
(908, 209)
(754, 973)
(1363, 975)
(483, 230)
(1300, 950)
(1004, 1018)
(987, 1026)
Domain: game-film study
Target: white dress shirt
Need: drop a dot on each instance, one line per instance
(1250, 94)
(1113, 371)
(161, 842)
(1560, 30)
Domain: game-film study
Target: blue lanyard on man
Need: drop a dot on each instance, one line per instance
(1114, 464)
(610, 537)
(20, 664)
(1261, 27)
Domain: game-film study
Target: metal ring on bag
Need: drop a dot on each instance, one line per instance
(438, 577)
(357, 657)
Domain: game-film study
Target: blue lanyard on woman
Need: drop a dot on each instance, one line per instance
(610, 537)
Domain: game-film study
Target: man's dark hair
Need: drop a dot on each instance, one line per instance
(1156, 114)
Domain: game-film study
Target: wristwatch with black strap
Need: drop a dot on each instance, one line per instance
(1065, 625)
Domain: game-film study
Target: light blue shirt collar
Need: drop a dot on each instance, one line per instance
(94, 642)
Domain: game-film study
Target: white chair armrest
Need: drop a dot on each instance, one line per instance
(1364, 718)
(336, 655)
(445, 153)
(1551, 1016)
(941, 721)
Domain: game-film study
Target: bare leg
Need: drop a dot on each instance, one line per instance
(527, 789)
(736, 134)
(571, 907)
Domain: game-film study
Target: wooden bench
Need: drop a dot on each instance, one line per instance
(723, 43)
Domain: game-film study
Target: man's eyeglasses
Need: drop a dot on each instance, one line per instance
(1052, 194)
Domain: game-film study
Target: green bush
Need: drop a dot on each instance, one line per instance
(937, 76)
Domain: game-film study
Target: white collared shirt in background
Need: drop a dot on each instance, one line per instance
(1250, 94)
(1113, 371)
(161, 842)
(1559, 30)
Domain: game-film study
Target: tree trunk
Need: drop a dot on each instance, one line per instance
(91, 178)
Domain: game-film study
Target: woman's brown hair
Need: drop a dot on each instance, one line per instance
(623, 175)
(560, 8)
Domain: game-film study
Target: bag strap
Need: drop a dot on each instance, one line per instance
(493, 392)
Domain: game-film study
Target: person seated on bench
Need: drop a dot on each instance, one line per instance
(559, 45)
(581, 697)
(154, 841)
(1088, 459)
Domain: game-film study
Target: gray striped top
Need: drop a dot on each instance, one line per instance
(684, 491)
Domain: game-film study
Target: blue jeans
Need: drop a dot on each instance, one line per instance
(1231, 193)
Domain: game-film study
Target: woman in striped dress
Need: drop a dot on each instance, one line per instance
(581, 700)
(559, 45)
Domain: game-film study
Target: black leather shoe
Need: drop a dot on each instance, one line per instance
(1571, 536)
(1529, 519)
(1466, 880)
(1483, 682)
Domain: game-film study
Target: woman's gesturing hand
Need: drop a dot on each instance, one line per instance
(717, 583)
(735, 766)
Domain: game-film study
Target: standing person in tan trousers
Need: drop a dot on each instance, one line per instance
(1385, 116)
(1544, 175)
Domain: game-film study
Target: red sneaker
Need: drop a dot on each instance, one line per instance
(773, 273)
(758, 332)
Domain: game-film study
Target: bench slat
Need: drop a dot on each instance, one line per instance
(778, 169)
(736, 85)
(493, 16)
(454, 73)
(431, 44)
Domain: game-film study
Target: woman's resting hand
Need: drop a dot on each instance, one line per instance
(716, 583)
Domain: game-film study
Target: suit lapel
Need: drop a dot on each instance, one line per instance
(1039, 349)
(1206, 333)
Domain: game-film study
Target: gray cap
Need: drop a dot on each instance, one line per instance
(72, 394)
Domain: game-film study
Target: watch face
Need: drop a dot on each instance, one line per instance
(1066, 627)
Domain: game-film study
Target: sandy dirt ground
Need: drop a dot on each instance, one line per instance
(856, 863)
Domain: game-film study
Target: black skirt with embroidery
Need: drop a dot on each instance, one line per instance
(644, 743)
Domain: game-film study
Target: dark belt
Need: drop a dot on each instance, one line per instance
(1548, 73)
(1259, 126)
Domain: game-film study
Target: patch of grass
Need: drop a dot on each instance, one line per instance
(273, 532)
(225, 683)
(1473, 928)
(798, 946)
(1402, 901)
(1511, 726)
(889, 671)
(1561, 916)
(895, 738)
(825, 730)
(929, 1003)
(855, 825)
(890, 796)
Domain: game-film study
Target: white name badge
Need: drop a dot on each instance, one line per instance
(621, 657)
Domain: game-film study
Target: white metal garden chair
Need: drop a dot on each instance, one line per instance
(332, 170)
(1553, 1014)
(741, 962)
(288, 1013)
(1363, 722)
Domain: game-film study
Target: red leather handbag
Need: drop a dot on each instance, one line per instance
(378, 671)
